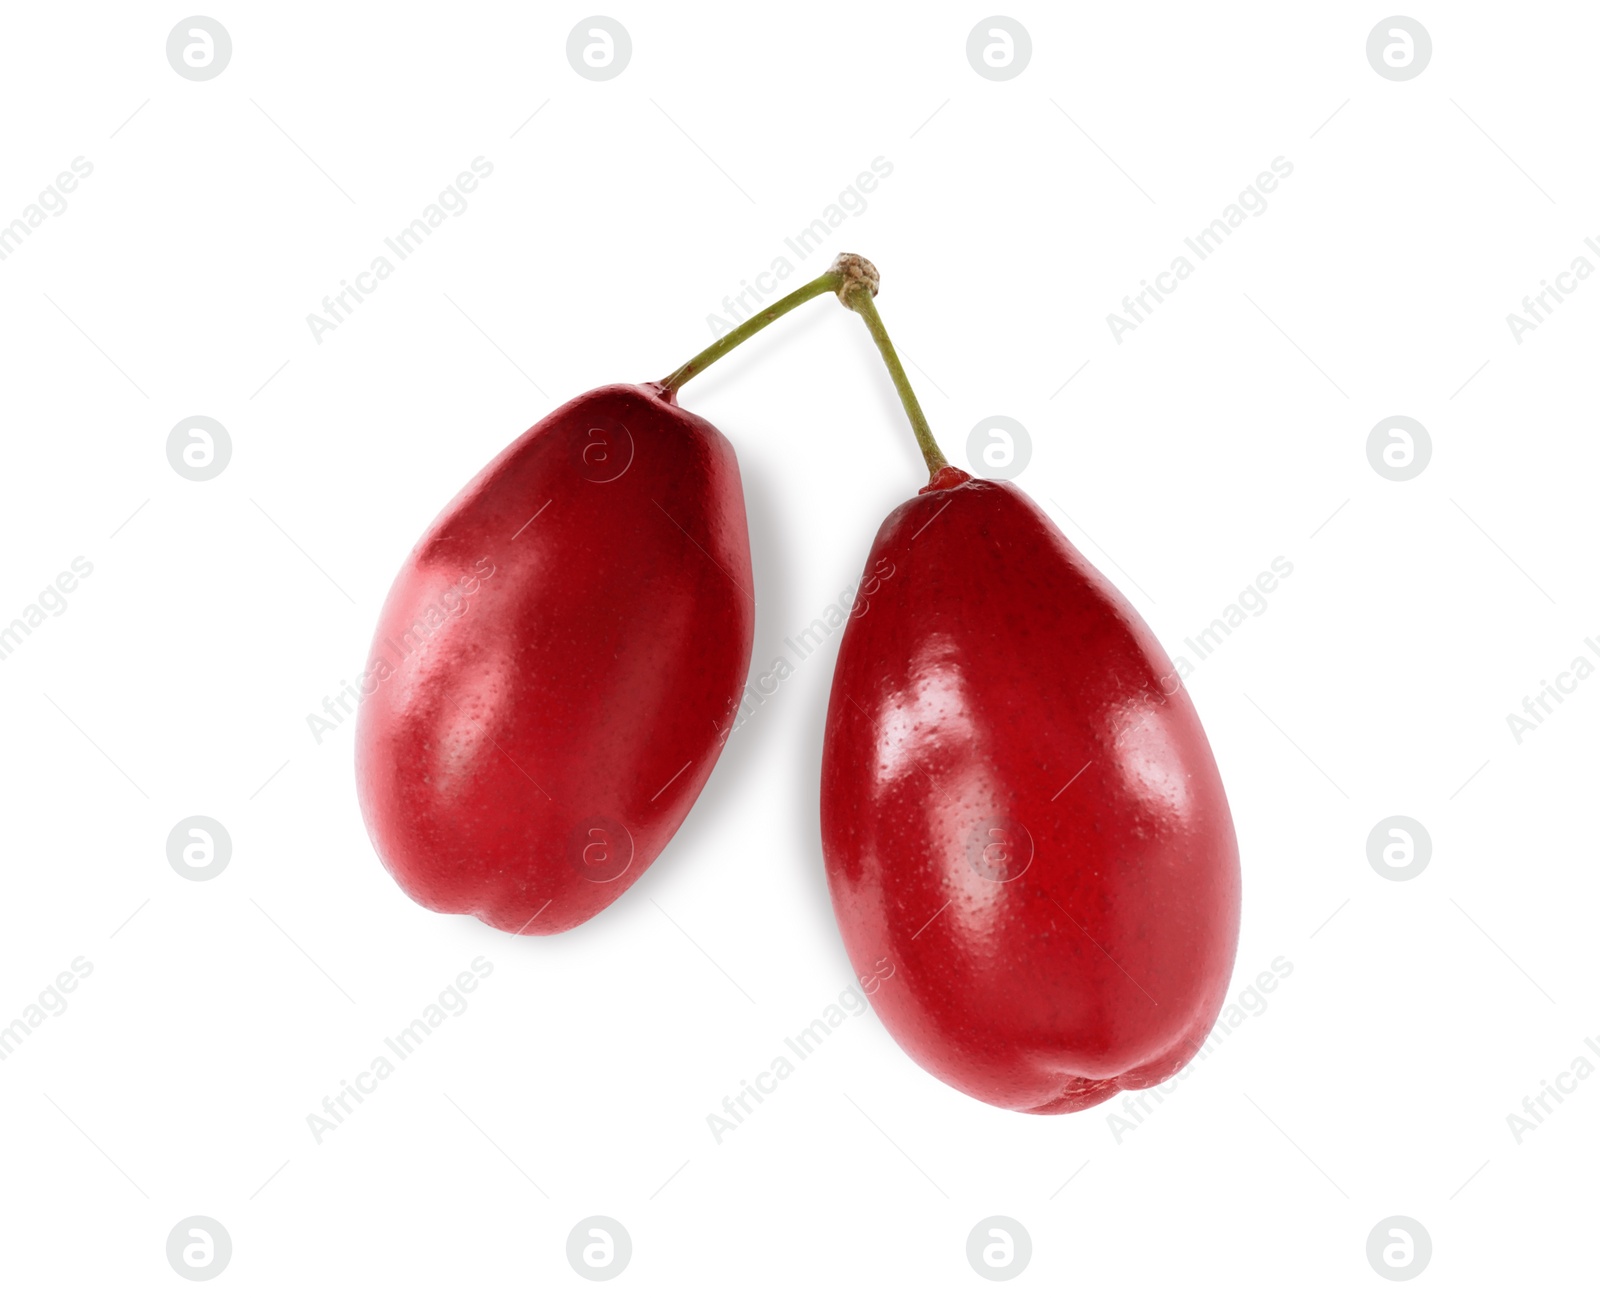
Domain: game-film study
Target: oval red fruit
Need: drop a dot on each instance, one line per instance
(558, 664)
(1021, 813)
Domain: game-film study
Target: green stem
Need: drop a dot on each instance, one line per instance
(859, 300)
(828, 282)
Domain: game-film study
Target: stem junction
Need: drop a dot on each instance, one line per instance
(855, 280)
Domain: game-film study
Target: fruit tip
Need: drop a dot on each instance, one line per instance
(944, 478)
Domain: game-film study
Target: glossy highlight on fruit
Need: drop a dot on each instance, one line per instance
(1021, 811)
(558, 663)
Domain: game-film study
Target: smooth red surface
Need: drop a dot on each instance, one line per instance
(547, 726)
(997, 676)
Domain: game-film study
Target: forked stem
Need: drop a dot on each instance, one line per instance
(855, 280)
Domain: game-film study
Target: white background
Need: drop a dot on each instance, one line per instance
(1186, 457)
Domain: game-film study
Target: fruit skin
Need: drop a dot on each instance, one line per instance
(996, 675)
(546, 698)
